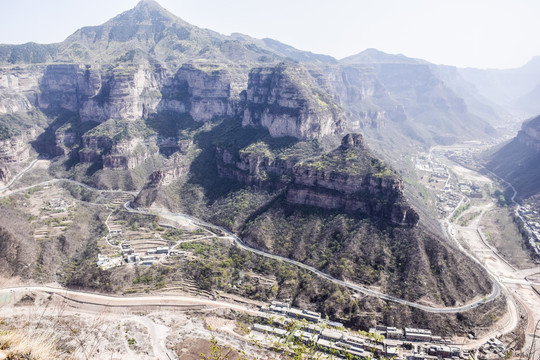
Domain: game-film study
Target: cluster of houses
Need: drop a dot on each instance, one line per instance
(471, 189)
(448, 197)
(151, 255)
(494, 346)
(531, 218)
(331, 337)
(424, 164)
(448, 200)
(461, 156)
(130, 257)
(59, 204)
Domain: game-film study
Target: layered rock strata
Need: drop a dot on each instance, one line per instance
(333, 181)
(285, 100)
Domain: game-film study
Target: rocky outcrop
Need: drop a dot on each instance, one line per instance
(19, 88)
(16, 148)
(117, 154)
(371, 195)
(530, 134)
(5, 174)
(176, 167)
(286, 101)
(208, 91)
(129, 154)
(58, 88)
(335, 183)
(124, 92)
(348, 178)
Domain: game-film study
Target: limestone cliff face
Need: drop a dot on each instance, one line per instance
(135, 92)
(100, 94)
(259, 169)
(530, 134)
(176, 167)
(18, 88)
(337, 183)
(16, 148)
(94, 147)
(285, 100)
(208, 91)
(117, 154)
(58, 88)
(348, 178)
(128, 93)
(361, 91)
(122, 92)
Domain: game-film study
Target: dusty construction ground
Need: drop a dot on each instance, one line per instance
(106, 331)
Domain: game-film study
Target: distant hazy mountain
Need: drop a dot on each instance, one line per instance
(510, 87)
(374, 56)
(286, 51)
(412, 100)
(529, 103)
(477, 103)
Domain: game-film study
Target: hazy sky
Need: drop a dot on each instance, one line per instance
(477, 33)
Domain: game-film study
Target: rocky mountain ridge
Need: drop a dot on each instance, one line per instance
(387, 96)
(114, 102)
(348, 178)
(241, 136)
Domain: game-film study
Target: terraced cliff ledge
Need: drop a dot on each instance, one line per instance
(348, 178)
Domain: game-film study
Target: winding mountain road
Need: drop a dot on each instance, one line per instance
(362, 289)
(19, 175)
(355, 287)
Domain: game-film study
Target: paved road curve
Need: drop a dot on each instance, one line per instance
(355, 287)
(362, 289)
(18, 176)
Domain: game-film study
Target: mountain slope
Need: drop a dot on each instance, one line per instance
(519, 160)
(530, 102)
(286, 51)
(476, 103)
(230, 132)
(408, 96)
(147, 32)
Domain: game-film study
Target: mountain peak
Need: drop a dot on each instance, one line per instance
(149, 4)
(147, 10)
(374, 56)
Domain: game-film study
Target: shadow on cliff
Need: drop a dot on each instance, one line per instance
(59, 103)
(227, 133)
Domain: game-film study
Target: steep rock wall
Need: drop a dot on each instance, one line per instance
(208, 91)
(530, 134)
(317, 183)
(285, 100)
(18, 88)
